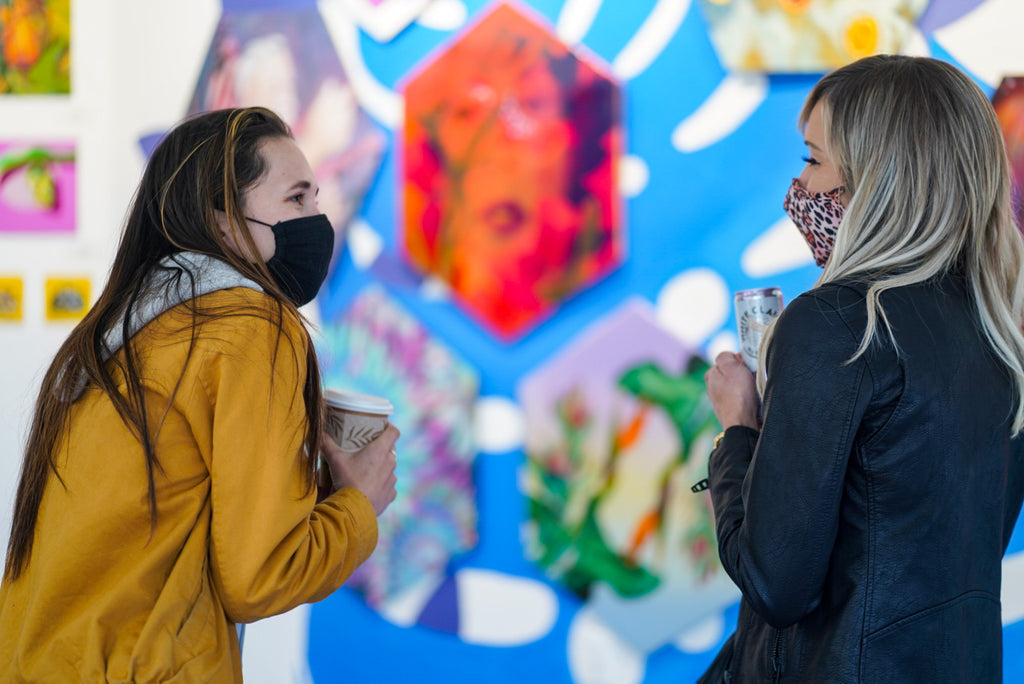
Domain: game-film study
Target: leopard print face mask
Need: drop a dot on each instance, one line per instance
(817, 215)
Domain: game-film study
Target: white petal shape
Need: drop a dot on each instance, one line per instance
(725, 341)
(404, 609)
(598, 656)
(496, 609)
(634, 175)
(915, 44)
(443, 15)
(498, 425)
(779, 249)
(733, 101)
(276, 650)
(364, 244)
(575, 20)
(986, 40)
(434, 289)
(381, 103)
(693, 305)
(1013, 588)
(651, 38)
(702, 637)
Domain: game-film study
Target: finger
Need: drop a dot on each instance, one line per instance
(390, 435)
(725, 357)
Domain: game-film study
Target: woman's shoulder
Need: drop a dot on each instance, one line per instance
(234, 316)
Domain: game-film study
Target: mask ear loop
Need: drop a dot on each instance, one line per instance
(256, 220)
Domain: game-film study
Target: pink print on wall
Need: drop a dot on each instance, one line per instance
(37, 187)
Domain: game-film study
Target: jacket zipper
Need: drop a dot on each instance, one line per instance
(777, 657)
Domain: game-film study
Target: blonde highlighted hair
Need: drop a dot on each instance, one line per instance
(919, 150)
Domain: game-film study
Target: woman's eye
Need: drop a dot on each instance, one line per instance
(810, 160)
(297, 198)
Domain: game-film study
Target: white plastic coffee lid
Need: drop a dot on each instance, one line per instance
(360, 403)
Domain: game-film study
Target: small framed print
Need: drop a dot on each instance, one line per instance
(67, 298)
(12, 290)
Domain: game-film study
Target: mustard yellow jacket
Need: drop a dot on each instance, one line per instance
(238, 535)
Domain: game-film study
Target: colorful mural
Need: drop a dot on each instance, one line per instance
(1008, 101)
(510, 150)
(800, 36)
(618, 426)
(378, 348)
(706, 159)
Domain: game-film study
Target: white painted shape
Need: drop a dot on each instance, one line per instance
(987, 40)
(575, 20)
(380, 102)
(498, 425)
(598, 656)
(276, 649)
(779, 249)
(443, 15)
(1013, 588)
(434, 289)
(915, 44)
(726, 109)
(496, 609)
(650, 39)
(702, 637)
(693, 304)
(634, 175)
(405, 609)
(364, 244)
(725, 341)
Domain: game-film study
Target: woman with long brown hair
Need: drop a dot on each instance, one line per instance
(169, 486)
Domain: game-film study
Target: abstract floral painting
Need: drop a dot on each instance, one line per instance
(378, 348)
(284, 59)
(35, 36)
(1008, 101)
(510, 151)
(618, 426)
(801, 36)
(37, 187)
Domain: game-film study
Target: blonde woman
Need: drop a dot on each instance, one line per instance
(168, 489)
(864, 518)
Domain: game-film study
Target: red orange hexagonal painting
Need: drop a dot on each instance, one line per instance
(511, 147)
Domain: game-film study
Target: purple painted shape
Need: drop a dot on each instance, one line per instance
(148, 143)
(938, 13)
(393, 271)
(442, 610)
(231, 6)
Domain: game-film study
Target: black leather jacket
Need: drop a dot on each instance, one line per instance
(865, 524)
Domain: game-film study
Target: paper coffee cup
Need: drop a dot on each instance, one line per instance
(354, 420)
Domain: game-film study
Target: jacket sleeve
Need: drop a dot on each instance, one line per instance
(271, 546)
(776, 493)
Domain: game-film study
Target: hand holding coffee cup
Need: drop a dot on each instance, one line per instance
(354, 420)
(368, 466)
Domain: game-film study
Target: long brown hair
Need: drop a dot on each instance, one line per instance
(203, 166)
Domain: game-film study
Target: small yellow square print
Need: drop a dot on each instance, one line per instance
(66, 298)
(11, 289)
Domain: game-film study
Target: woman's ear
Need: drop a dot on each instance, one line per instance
(227, 231)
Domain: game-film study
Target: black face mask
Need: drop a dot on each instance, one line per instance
(302, 255)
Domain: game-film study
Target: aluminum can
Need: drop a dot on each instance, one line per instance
(755, 309)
